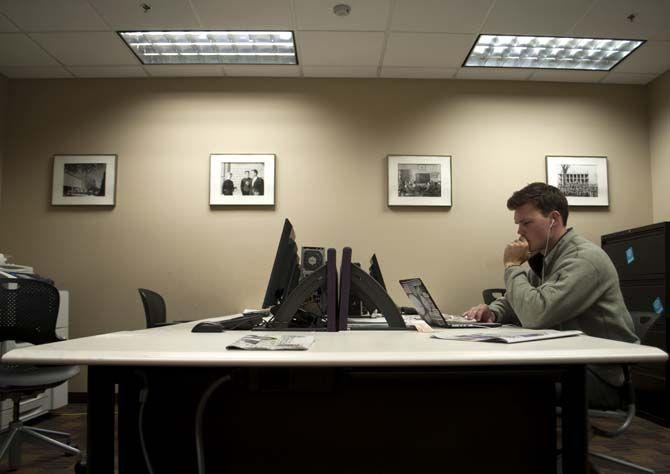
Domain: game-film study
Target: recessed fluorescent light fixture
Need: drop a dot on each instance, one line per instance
(212, 47)
(549, 52)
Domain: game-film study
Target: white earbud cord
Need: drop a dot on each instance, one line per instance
(546, 248)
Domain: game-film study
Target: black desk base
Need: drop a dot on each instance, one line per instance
(337, 420)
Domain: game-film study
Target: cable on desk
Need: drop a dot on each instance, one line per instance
(144, 395)
(198, 420)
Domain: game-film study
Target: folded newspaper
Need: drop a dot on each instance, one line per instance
(272, 343)
(509, 337)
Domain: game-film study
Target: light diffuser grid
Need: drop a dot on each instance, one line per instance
(212, 47)
(549, 52)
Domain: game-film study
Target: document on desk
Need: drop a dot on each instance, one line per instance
(272, 343)
(509, 337)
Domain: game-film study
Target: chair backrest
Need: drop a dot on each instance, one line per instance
(642, 321)
(28, 311)
(491, 294)
(154, 307)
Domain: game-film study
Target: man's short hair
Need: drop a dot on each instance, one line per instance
(255, 171)
(544, 197)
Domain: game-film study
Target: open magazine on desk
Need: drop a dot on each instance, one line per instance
(507, 337)
(254, 342)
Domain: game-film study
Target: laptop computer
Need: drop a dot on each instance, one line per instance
(425, 305)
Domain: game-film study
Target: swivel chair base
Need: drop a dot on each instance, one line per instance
(18, 429)
(621, 463)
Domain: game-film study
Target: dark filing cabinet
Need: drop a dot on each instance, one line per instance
(641, 258)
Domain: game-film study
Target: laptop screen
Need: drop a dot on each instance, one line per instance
(421, 300)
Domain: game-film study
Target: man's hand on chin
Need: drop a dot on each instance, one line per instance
(516, 253)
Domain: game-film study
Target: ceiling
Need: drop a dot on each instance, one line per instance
(380, 38)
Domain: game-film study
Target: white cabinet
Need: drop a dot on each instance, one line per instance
(50, 399)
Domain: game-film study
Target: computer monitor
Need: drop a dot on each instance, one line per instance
(375, 271)
(285, 270)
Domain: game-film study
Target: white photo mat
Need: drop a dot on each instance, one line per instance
(583, 179)
(438, 167)
(260, 169)
(84, 180)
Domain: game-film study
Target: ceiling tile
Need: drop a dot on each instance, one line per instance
(418, 72)
(653, 57)
(37, 72)
(628, 78)
(427, 49)
(261, 70)
(53, 15)
(108, 71)
(243, 14)
(535, 17)
(339, 71)
(493, 73)
(17, 49)
(164, 14)
(6, 26)
(447, 16)
(86, 49)
(184, 70)
(567, 76)
(366, 15)
(325, 48)
(608, 18)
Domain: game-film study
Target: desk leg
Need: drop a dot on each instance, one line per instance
(574, 421)
(130, 452)
(100, 421)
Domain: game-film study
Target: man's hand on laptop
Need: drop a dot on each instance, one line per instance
(481, 313)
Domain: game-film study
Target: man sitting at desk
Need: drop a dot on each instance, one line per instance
(571, 284)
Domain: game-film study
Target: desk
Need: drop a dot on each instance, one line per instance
(175, 350)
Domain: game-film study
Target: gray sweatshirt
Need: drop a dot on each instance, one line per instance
(580, 291)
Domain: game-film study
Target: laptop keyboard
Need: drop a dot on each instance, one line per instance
(453, 318)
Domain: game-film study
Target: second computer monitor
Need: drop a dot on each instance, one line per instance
(375, 271)
(285, 270)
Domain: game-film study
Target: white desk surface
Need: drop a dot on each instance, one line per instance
(176, 345)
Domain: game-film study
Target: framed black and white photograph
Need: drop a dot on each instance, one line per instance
(242, 180)
(583, 179)
(84, 180)
(419, 180)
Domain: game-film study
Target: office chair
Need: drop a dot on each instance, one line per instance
(492, 294)
(154, 309)
(642, 321)
(28, 313)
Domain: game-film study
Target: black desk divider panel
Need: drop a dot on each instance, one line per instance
(331, 308)
(345, 287)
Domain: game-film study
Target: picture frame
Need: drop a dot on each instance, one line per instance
(242, 179)
(583, 179)
(419, 180)
(84, 180)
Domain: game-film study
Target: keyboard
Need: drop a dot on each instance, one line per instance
(245, 321)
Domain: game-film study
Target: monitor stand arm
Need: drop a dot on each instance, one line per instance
(374, 296)
(306, 288)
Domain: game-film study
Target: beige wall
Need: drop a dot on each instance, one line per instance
(3, 124)
(331, 138)
(659, 144)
